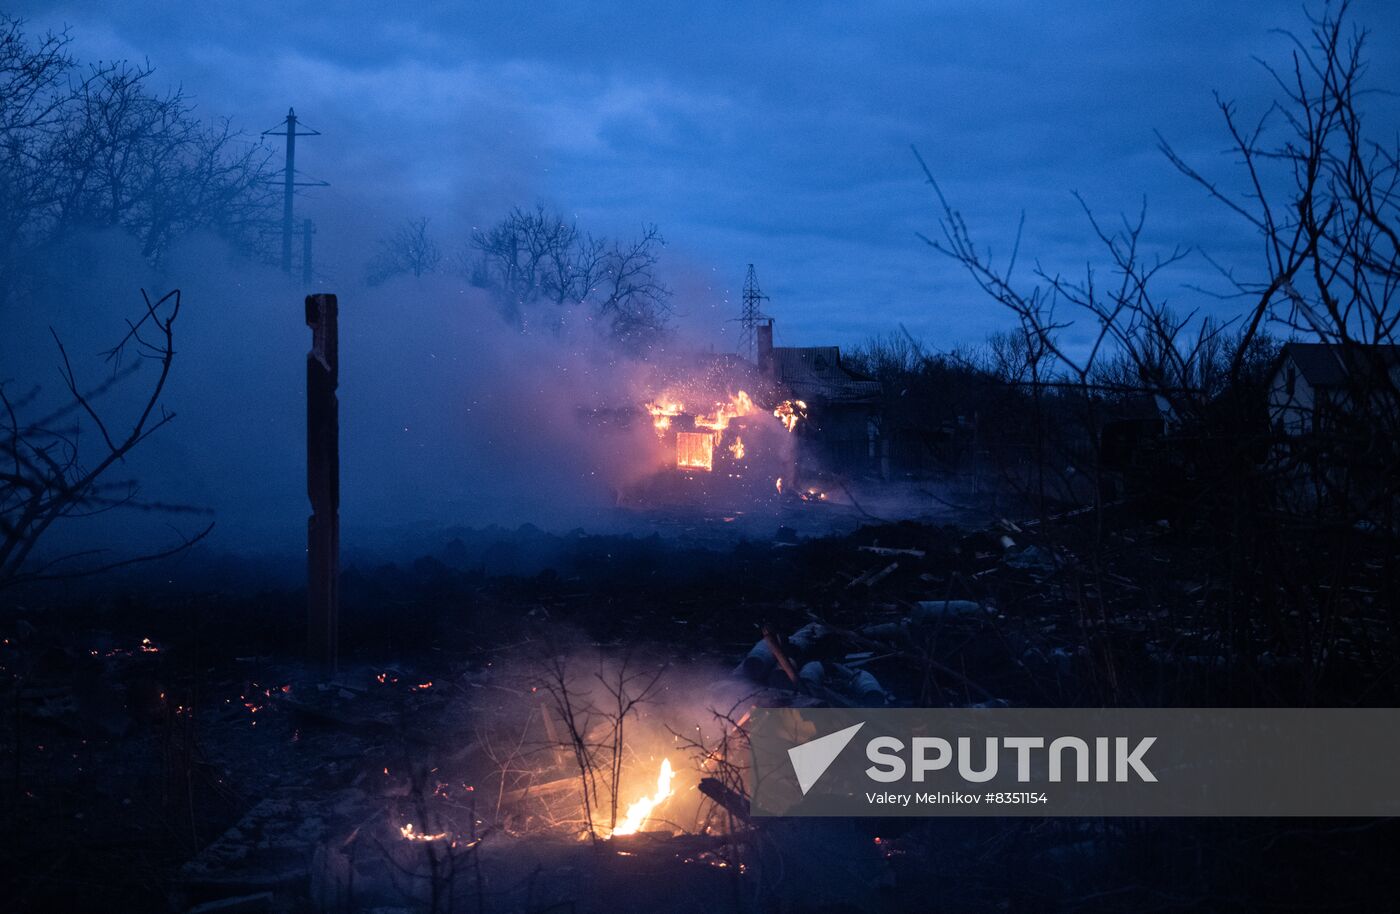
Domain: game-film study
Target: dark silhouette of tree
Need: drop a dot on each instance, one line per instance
(57, 466)
(409, 249)
(102, 147)
(538, 266)
(1295, 520)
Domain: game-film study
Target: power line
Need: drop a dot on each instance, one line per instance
(751, 316)
(289, 179)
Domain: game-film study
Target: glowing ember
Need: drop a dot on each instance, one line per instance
(695, 450)
(639, 812)
(780, 485)
(789, 412)
(408, 832)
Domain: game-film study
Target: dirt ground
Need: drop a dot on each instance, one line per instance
(170, 751)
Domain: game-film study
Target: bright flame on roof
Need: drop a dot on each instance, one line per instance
(739, 405)
(662, 411)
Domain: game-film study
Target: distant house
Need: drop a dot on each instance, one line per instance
(843, 405)
(1312, 384)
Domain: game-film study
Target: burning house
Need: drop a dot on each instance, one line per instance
(729, 427)
(724, 439)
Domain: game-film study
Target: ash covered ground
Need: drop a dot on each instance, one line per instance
(167, 748)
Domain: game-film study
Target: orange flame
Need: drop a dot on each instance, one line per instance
(789, 412)
(639, 812)
(739, 404)
(662, 410)
(408, 832)
(695, 450)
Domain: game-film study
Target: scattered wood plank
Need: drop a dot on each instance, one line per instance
(888, 550)
(873, 577)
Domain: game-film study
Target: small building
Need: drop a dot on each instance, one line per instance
(843, 406)
(1312, 385)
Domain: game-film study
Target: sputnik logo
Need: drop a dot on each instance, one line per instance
(811, 759)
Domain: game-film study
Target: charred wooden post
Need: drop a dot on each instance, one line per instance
(727, 799)
(323, 481)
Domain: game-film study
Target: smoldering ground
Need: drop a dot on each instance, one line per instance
(609, 717)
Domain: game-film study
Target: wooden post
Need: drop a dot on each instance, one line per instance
(323, 482)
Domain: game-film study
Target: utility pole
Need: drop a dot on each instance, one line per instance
(751, 316)
(291, 130)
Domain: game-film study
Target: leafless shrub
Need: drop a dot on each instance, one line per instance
(48, 476)
(1321, 194)
(408, 250)
(594, 711)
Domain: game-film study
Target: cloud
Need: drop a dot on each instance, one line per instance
(774, 134)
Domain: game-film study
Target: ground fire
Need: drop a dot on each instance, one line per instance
(640, 811)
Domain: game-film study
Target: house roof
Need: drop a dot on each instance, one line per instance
(816, 371)
(1326, 365)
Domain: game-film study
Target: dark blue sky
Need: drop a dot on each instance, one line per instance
(776, 133)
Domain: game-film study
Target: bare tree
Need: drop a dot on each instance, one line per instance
(48, 476)
(627, 689)
(32, 103)
(538, 265)
(106, 148)
(531, 256)
(408, 250)
(30, 76)
(1320, 192)
(627, 293)
(132, 158)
